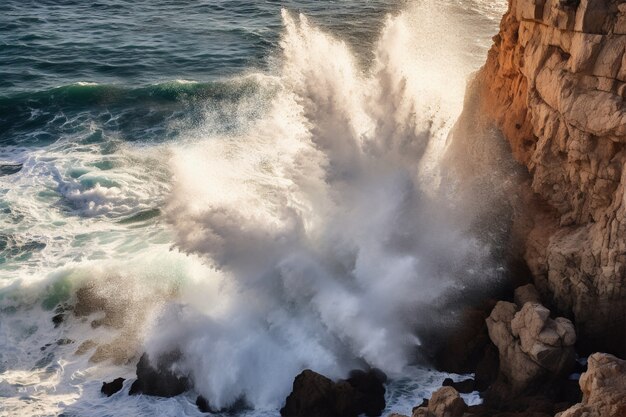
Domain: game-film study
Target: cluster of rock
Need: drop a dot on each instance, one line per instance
(603, 387)
(535, 365)
(555, 83)
(313, 395)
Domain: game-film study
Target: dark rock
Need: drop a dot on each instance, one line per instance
(58, 319)
(424, 404)
(464, 346)
(372, 389)
(10, 168)
(203, 405)
(159, 381)
(487, 368)
(314, 395)
(464, 387)
(110, 388)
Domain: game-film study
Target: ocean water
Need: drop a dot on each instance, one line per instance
(254, 184)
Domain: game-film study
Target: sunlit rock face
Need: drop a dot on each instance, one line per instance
(555, 83)
(603, 386)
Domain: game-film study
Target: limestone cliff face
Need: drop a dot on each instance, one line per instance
(555, 84)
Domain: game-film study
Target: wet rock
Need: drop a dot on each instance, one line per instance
(159, 379)
(9, 169)
(314, 395)
(465, 387)
(110, 388)
(57, 319)
(371, 389)
(203, 405)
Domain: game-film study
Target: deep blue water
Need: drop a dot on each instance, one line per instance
(133, 50)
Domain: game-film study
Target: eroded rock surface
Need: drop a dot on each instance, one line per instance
(555, 83)
(603, 387)
(532, 346)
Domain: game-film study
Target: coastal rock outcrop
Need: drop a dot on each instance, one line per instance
(158, 378)
(532, 346)
(110, 388)
(603, 387)
(554, 83)
(314, 395)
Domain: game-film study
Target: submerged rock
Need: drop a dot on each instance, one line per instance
(314, 395)
(9, 169)
(110, 388)
(159, 380)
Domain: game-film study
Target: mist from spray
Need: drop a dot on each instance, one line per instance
(322, 220)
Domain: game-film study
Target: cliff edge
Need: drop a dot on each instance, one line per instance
(554, 83)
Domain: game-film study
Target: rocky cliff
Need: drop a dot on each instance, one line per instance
(555, 83)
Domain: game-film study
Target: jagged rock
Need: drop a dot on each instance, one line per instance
(445, 402)
(603, 387)
(531, 345)
(554, 83)
(110, 388)
(314, 395)
(159, 379)
(203, 405)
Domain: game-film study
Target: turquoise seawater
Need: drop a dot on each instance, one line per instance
(247, 182)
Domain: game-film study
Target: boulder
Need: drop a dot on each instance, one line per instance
(533, 348)
(603, 387)
(110, 388)
(314, 395)
(158, 378)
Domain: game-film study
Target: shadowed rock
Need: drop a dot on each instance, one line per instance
(314, 395)
(110, 388)
(158, 379)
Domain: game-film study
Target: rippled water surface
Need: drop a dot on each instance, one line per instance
(244, 181)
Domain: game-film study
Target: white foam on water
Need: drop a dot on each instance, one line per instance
(313, 237)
